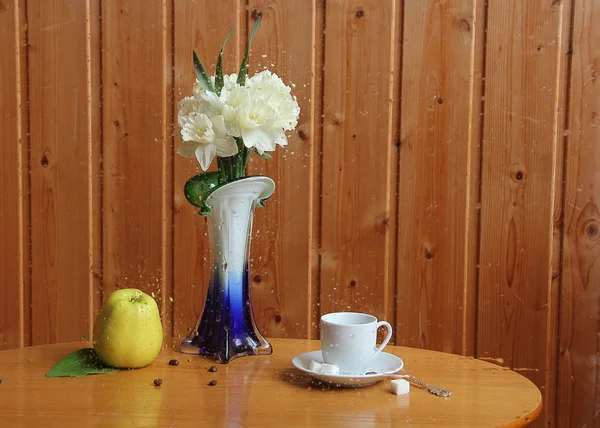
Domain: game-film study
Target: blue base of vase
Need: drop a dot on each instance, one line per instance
(226, 329)
(227, 351)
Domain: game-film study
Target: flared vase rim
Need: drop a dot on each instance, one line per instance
(266, 192)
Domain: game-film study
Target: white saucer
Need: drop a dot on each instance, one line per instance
(383, 365)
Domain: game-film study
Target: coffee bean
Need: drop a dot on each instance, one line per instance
(212, 369)
(212, 383)
(0, 380)
(174, 363)
(157, 382)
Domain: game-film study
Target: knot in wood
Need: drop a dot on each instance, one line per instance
(464, 25)
(591, 231)
(302, 134)
(255, 14)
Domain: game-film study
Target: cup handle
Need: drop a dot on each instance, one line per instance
(387, 337)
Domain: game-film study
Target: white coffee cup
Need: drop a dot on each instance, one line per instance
(349, 340)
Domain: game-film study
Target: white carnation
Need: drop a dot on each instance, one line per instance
(269, 88)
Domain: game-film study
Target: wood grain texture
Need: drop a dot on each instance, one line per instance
(200, 27)
(61, 162)
(578, 400)
(281, 267)
(473, 222)
(14, 200)
(519, 153)
(552, 408)
(434, 185)
(261, 391)
(94, 143)
(316, 105)
(359, 158)
(136, 129)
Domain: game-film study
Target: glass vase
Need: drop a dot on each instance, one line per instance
(227, 329)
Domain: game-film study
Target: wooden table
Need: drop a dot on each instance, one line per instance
(257, 391)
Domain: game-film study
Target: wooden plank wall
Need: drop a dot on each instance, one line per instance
(359, 129)
(444, 174)
(579, 317)
(516, 309)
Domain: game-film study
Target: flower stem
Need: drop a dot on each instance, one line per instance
(234, 167)
(240, 157)
(221, 162)
(246, 155)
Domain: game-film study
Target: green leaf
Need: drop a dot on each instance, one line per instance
(265, 155)
(219, 71)
(197, 189)
(80, 363)
(241, 80)
(202, 75)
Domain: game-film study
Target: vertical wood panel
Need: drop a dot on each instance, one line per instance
(201, 27)
(14, 201)
(316, 105)
(282, 266)
(137, 115)
(359, 158)
(474, 214)
(578, 384)
(519, 152)
(94, 143)
(552, 408)
(60, 117)
(434, 196)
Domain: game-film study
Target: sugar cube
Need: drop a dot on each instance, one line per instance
(330, 369)
(315, 366)
(400, 386)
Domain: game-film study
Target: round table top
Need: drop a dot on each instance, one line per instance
(258, 390)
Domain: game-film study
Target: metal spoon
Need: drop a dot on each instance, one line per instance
(440, 392)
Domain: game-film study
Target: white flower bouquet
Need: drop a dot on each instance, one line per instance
(230, 117)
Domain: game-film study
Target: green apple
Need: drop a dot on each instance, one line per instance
(128, 332)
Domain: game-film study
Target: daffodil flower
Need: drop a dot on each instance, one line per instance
(205, 138)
